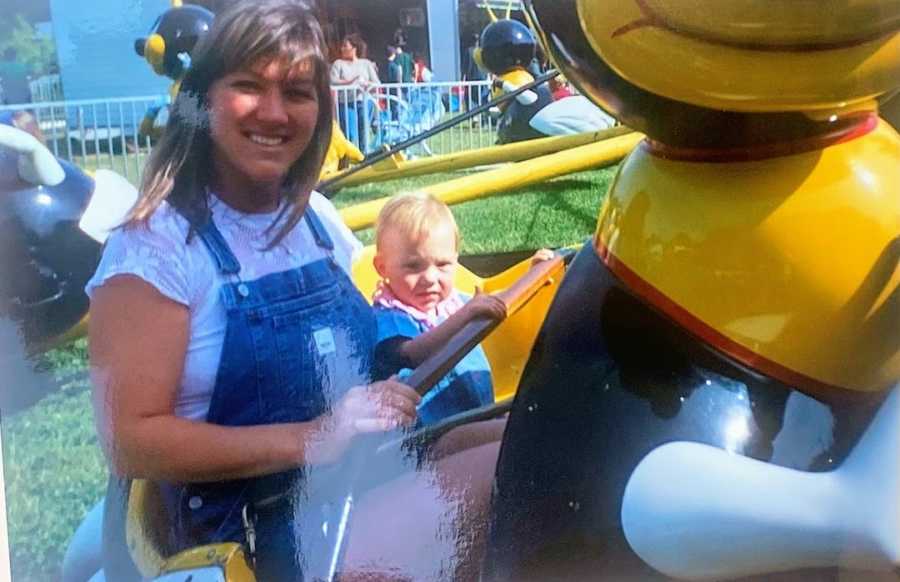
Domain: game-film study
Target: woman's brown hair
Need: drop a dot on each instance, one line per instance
(248, 33)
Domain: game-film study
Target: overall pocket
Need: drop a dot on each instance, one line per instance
(321, 351)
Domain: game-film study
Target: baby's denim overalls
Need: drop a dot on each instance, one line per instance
(295, 341)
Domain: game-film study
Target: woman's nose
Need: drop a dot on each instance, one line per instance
(271, 107)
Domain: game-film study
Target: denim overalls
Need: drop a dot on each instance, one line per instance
(295, 341)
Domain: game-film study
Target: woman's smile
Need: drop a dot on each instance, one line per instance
(265, 140)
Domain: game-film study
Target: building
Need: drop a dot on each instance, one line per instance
(95, 48)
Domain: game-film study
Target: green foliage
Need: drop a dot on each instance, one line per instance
(35, 51)
(54, 468)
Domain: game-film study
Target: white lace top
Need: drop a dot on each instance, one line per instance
(185, 273)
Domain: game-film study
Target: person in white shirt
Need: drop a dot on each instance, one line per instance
(354, 110)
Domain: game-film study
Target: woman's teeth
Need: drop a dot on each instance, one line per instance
(267, 141)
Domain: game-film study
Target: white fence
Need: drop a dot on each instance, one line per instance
(95, 133)
(46, 88)
(105, 133)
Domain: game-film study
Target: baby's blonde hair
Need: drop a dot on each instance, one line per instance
(414, 215)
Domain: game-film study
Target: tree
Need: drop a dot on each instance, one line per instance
(36, 52)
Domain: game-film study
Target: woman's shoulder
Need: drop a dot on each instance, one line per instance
(166, 227)
(154, 250)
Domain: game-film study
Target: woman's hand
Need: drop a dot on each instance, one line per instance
(377, 407)
(486, 305)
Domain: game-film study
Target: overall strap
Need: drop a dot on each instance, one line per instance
(226, 262)
(323, 239)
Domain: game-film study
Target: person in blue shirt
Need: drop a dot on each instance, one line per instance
(417, 309)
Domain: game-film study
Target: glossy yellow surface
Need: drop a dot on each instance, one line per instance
(509, 346)
(794, 258)
(155, 52)
(511, 152)
(736, 50)
(339, 148)
(228, 556)
(785, 23)
(517, 77)
(578, 159)
(144, 529)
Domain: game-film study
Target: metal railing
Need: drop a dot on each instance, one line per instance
(389, 113)
(95, 133)
(46, 88)
(105, 133)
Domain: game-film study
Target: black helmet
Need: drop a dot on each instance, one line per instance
(506, 44)
(173, 38)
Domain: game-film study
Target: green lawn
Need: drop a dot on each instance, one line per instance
(54, 468)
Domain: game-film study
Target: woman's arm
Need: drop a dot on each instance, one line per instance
(336, 75)
(373, 73)
(419, 348)
(138, 341)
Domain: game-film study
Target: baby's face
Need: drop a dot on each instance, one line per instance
(419, 272)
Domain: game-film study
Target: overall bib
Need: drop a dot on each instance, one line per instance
(295, 342)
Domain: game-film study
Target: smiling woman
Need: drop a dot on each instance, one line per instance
(230, 350)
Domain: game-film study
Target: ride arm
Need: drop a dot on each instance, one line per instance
(416, 350)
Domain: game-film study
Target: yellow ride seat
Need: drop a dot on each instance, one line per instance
(146, 534)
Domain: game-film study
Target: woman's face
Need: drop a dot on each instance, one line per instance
(348, 51)
(261, 121)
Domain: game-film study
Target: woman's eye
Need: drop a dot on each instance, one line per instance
(299, 93)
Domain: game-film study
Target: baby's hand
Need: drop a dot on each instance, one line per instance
(542, 255)
(486, 305)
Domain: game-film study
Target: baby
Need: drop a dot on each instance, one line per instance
(417, 308)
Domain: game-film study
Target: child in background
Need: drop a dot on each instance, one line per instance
(418, 310)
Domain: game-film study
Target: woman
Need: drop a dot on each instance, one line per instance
(353, 68)
(229, 348)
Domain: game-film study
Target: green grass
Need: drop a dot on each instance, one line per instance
(54, 468)
(550, 214)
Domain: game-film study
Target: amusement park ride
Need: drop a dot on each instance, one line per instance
(710, 389)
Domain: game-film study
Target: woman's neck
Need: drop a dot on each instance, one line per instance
(247, 197)
(242, 193)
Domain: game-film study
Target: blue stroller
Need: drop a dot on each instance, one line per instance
(409, 111)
